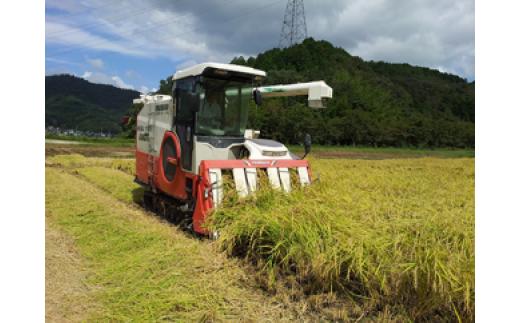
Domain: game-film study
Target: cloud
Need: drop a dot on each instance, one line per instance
(74, 7)
(120, 83)
(73, 38)
(144, 89)
(96, 63)
(176, 30)
(102, 78)
(430, 33)
(433, 33)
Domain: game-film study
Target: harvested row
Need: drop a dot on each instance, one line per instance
(74, 161)
(118, 184)
(389, 233)
(142, 269)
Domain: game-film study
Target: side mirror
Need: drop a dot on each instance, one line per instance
(307, 142)
(257, 96)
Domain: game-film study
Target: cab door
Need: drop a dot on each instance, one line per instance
(187, 102)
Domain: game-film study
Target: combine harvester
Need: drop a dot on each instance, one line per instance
(185, 141)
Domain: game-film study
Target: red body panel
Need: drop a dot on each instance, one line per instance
(141, 166)
(149, 170)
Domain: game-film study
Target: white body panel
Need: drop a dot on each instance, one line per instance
(259, 151)
(154, 119)
(272, 150)
(199, 69)
(205, 151)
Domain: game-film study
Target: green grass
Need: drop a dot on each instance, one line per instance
(387, 233)
(114, 142)
(142, 269)
(387, 152)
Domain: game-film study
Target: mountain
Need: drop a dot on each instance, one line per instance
(74, 103)
(375, 103)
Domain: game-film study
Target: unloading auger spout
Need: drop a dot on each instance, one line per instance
(317, 92)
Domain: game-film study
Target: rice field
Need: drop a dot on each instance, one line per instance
(387, 233)
(387, 240)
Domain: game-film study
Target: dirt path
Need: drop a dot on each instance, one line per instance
(142, 268)
(67, 297)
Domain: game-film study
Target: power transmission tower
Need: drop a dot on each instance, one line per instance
(294, 29)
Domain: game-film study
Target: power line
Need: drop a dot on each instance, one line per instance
(140, 11)
(249, 12)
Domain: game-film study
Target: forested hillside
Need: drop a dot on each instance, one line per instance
(74, 103)
(374, 104)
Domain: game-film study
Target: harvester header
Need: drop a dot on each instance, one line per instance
(188, 141)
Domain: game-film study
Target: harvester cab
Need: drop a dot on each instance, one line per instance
(187, 140)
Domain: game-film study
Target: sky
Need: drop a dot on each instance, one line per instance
(136, 43)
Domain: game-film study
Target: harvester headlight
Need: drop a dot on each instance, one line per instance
(274, 153)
